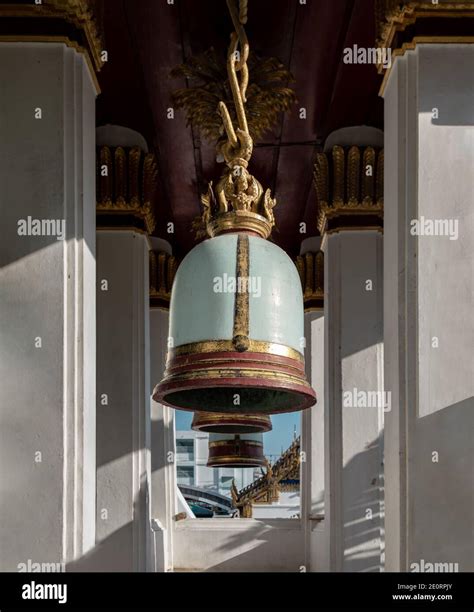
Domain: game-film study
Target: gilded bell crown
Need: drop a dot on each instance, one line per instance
(238, 203)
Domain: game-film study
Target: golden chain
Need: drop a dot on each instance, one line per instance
(239, 146)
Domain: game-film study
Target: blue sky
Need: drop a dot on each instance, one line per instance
(280, 437)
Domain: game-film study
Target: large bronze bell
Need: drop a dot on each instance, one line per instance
(215, 422)
(236, 346)
(239, 451)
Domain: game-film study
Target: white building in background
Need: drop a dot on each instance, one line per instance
(192, 451)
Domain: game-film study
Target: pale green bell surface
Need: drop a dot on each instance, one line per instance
(204, 289)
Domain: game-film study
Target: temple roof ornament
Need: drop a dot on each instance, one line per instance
(349, 188)
(283, 475)
(126, 186)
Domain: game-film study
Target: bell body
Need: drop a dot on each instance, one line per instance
(232, 423)
(226, 450)
(236, 330)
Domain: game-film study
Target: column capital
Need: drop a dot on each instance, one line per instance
(81, 25)
(126, 186)
(310, 267)
(402, 24)
(349, 187)
(163, 268)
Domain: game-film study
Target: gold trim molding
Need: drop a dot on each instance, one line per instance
(349, 188)
(227, 346)
(400, 22)
(84, 15)
(423, 40)
(310, 267)
(126, 186)
(162, 272)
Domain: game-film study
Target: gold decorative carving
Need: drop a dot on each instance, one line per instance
(393, 17)
(221, 109)
(240, 335)
(126, 185)
(350, 193)
(267, 94)
(311, 270)
(267, 488)
(162, 272)
(84, 15)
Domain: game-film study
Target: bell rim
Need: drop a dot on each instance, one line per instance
(200, 366)
(234, 423)
(305, 392)
(223, 453)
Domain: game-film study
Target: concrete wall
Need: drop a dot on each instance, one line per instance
(239, 545)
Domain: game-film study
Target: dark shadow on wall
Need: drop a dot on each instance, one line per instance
(115, 553)
(441, 486)
(363, 487)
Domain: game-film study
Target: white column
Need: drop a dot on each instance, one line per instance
(428, 297)
(353, 378)
(125, 205)
(123, 402)
(163, 447)
(349, 197)
(312, 468)
(47, 345)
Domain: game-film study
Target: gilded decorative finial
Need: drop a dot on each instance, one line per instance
(238, 201)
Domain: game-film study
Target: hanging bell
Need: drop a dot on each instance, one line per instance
(236, 325)
(240, 451)
(236, 332)
(215, 422)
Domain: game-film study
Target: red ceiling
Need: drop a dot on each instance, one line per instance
(145, 39)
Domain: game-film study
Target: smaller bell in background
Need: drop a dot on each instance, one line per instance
(215, 422)
(239, 451)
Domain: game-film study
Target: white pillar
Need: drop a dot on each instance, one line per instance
(353, 338)
(428, 297)
(124, 533)
(47, 393)
(163, 451)
(354, 368)
(311, 268)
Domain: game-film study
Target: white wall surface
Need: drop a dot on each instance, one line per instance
(223, 545)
